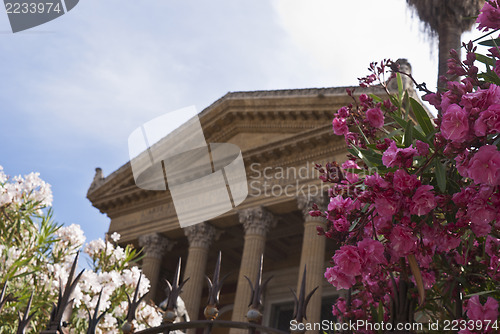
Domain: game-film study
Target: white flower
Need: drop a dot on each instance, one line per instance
(71, 235)
(3, 177)
(115, 236)
(94, 247)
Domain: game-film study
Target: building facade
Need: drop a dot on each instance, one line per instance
(282, 135)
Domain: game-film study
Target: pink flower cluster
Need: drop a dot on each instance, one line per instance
(487, 314)
(352, 261)
(367, 116)
(432, 202)
(490, 16)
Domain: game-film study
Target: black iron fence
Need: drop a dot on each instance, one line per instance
(56, 325)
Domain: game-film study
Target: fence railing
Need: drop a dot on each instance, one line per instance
(56, 325)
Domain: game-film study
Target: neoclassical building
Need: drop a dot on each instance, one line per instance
(282, 134)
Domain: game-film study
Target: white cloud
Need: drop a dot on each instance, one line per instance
(343, 37)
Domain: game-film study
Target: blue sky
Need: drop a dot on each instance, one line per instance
(73, 89)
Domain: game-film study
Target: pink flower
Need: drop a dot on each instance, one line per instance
(455, 124)
(488, 121)
(372, 252)
(340, 204)
(376, 181)
(376, 117)
(340, 126)
(386, 207)
(433, 99)
(350, 165)
(423, 201)
(490, 16)
(341, 224)
(382, 224)
(476, 311)
(492, 245)
(404, 182)
(447, 242)
(402, 241)
(343, 112)
(422, 148)
(338, 279)
(484, 167)
(397, 157)
(482, 98)
(348, 260)
(461, 160)
(390, 155)
(481, 214)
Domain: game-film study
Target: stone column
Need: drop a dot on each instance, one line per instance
(154, 245)
(312, 256)
(256, 223)
(200, 237)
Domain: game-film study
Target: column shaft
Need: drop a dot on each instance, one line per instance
(154, 246)
(151, 269)
(313, 258)
(195, 269)
(252, 250)
(256, 223)
(200, 237)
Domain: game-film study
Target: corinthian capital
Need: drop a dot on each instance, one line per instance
(154, 244)
(200, 235)
(256, 220)
(305, 204)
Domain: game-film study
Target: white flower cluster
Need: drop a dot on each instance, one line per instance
(111, 274)
(19, 189)
(96, 248)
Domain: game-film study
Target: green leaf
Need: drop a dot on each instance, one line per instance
(354, 224)
(491, 42)
(485, 60)
(417, 134)
(400, 87)
(408, 135)
(440, 175)
(482, 293)
(376, 98)
(490, 76)
(380, 312)
(422, 117)
(394, 133)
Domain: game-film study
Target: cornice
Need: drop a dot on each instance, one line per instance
(296, 112)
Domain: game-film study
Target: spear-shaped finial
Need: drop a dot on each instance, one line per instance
(94, 320)
(26, 318)
(57, 314)
(300, 304)
(211, 311)
(254, 314)
(128, 326)
(172, 291)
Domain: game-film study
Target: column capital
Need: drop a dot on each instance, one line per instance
(200, 235)
(305, 204)
(257, 220)
(154, 244)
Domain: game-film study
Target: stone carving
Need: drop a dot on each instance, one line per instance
(200, 235)
(154, 245)
(305, 204)
(97, 181)
(405, 67)
(257, 220)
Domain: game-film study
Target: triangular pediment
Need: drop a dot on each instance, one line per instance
(262, 124)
